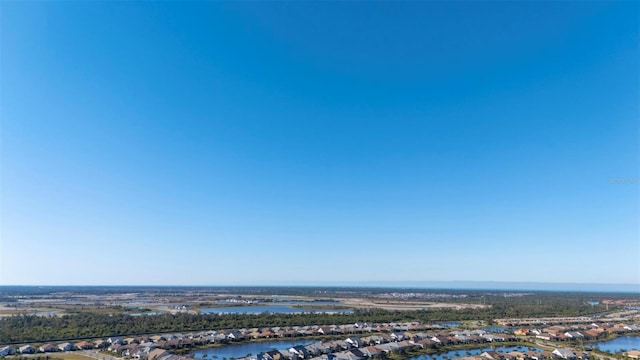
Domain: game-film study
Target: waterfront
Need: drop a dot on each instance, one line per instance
(241, 350)
(472, 352)
(623, 343)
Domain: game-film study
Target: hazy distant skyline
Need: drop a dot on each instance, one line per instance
(320, 142)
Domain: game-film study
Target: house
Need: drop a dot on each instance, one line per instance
(441, 340)
(299, 351)
(234, 335)
(463, 338)
(340, 345)
(347, 355)
(325, 357)
(564, 353)
(371, 351)
(533, 355)
(317, 349)
(83, 345)
(66, 347)
(591, 334)
(116, 340)
(114, 348)
(48, 348)
(7, 350)
(374, 340)
(356, 354)
(355, 341)
(546, 355)
(27, 349)
(274, 355)
(173, 344)
(125, 350)
(516, 355)
(388, 347)
(546, 336)
(404, 346)
(157, 354)
(521, 332)
(427, 343)
(633, 354)
(141, 351)
(492, 355)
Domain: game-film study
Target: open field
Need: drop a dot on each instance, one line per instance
(399, 305)
(71, 356)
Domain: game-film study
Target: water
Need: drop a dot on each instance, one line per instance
(275, 309)
(147, 313)
(619, 344)
(46, 313)
(310, 303)
(450, 324)
(238, 351)
(473, 352)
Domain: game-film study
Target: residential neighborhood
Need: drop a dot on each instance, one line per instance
(359, 341)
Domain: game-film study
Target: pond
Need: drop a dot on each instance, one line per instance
(623, 343)
(241, 350)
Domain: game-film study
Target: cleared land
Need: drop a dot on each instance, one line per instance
(407, 305)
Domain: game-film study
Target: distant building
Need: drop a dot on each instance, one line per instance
(27, 349)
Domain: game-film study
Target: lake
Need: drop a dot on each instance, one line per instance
(622, 343)
(275, 309)
(241, 350)
(450, 324)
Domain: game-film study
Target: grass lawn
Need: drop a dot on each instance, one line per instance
(69, 356)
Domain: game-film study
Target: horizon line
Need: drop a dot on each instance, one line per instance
(423, 285)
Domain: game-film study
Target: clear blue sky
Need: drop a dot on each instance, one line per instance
(319, 142)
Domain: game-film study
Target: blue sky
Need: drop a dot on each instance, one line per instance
(319, 142)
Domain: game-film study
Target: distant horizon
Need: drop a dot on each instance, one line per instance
(420, 285)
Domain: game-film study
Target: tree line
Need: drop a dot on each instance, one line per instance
(31, 328)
